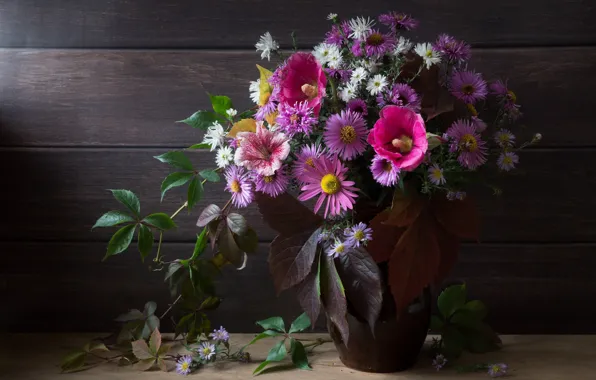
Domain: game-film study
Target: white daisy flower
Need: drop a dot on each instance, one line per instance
(331, 16)
(428, 54)
(231, 112)
(214, 136)
(254, 90)
(372, 66)
(224, 157)
(335, 60)
(402, 46)
(376, 84)
(266, 45)
(323, 52)
(360, 27)
(358, 75)
(348, 92)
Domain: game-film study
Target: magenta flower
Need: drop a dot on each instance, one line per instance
(435, 175)
(303, 79)
(306, 160)
(328, 180)
(399, 136)
(507, 161)
(357, 49)
(497, 370)
(272, 185)
(262, 151)
(338, 34)
(384, 171)
(345, 134)
(452, 50)
(377, 44)
(340, 74)
(184, 365)
(358, 105)
(400, 94)
(358, 235)
(466, 140)
(240, 185)
(297, 118)
(397, 21)
(468, 86)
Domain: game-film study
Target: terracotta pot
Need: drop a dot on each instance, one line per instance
(397, 340)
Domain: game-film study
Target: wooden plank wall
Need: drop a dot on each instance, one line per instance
(90, 91)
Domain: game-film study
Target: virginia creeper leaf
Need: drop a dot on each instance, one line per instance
(176, 159)
(300, 324)
(309, 291)
(237, 223)
(229, 249)
(286, 215)
(113, 218)
(334, 297)
(477, 307)
(299, 357)
(385, 237)
(155, 342)
(273, 323)
(129, 200)
(248, 242)
(451, 299)
(405, 208)
(209, 214)
(460, 218)
(145, 364)
(145, 242)
(174, 180)
(160, 220)
(121, 240)
(265, 334)
(141, 350)
(278, 352)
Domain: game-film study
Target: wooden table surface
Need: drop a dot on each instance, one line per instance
(535, 357)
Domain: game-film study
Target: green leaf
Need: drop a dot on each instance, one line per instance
(141, 351)
(249, 242)
(220, 103)
(174, 180)
(195, 192)
(151, 325)
(277, 352)
(299, 357)
(261, 367)
(436, 323)
(465, 318)
(95, 346)
(113, 218)
(177, 159)
(273, 323)
(451, 299)
(200, 245)
(200, 119)
(160, 220)
(453, 342)
(173, 268)
(129, 200)
(120, 241)
(210, 175)
(145, 242)
(237, 223)
(131, 315)
(182, 324)
(210, 303)
(477, 307)
(73, 361)
(200, 146)
(150, 308)
(263, 335)
(300, 324)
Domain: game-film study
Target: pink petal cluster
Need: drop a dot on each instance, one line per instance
(303, 79)
(400, 136)
(263, 151)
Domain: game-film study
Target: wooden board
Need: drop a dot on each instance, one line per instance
(57, 194)
(529, 288)
(228, 23)
(133, 98)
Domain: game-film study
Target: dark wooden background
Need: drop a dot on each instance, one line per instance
(90, 91)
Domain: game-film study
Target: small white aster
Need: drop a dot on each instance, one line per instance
(428, 54)
(337, 249)
(507, 161)
(224, 157)
(214, 136)
(331, 16)
(335, 60)
(435, 175)
(372, 66)
(231, 112)
(324, 52)
(504, 138)
(358, 75)
(376, 84)
(360, 27)
(348, 92)
(266, 45)
(254, 90)
(402, 46)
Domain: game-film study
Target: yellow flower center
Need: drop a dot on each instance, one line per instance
(467, 89)
(268, 178)
(507, 160)
(309, 161)
(468, 143)
(436, 173)
(375, 39)
(512, 96)
(340, 248)
(206, 351)
(309, 90)
(347, 134)
(235, 186)
(404, 144)
(504, 138)
(387, 166)
(330, 184)
(359, 234)
(429, 53)
(472, 109)
(184, 366)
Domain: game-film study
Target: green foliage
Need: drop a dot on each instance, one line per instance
(210, 175)
(145, 242)
(77, 360)
(138, 325)
(120, 240)
(176, 159)
(220, 103)
(273, 323)
(200, 119)
(113, 218)
(300, 324)
(150, 354)
(200, 146)
(175, 179)
(129, 200)
(160, 221)
(195, 192)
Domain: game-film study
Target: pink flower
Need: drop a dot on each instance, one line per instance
(399, 136)
(303, 79)
(262, 151)
(328, 180)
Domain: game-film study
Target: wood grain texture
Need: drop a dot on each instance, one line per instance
(57, 194)
(238, 23)
(133, 98)
(64, 287)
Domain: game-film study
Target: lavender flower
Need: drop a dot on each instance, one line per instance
(220, 335)
(397, 21)
(184, 365)
(504, 138)
(238, 183)
(507, 161)
(206, 350)
(345, 134)
(468, 86)
(377, 44)
(337, 249)
(400, 94)
(384, 171)
(452, 50)
(435, 175)
(497, 370)
(358, 234)
(298, 118)
(272, 185)
(439, 362)
(338, 33)
(358, 105)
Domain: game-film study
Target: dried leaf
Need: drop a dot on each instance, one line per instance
(155, 341)
(141, 350)
(265, 88)
(362, 280)
(309, 291)
(290, 259)
(405, 208)
(271, 118)
(460, 218)
(244, 125)
(286, 215)
(162, 365)
(334, 297)
(145, 364)
(414, 262)
(385, 237)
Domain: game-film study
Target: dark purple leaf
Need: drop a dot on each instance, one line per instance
(290, 259)
(216, 226)
(334, 297)
(209, 214)
(362, 280)
(237, 223)
(229, 249)
(286, 215)
(309, 292)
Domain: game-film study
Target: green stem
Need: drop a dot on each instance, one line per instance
(171, 306)
(334, 93)
(180, 209)
(158, 255)
(317, 342)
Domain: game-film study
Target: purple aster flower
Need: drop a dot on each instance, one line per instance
(359, 106)
(384, 171)
(272, 185)
(338, 34)
(377, 44)
(298, 118)
(466, 140)
(206, 350)
(435, 175)
(184, 365)
(507, 161)
(452, 50)
(306, 160)
(506, 98)
(456, 195)
(275, 78)
(358, 235)
(340, 74)
(324, 236)
(220, 335)
(357, 49)
(499, 88)
(439, 362)
(497, 370)
(479, 124)
(267, 109)
(504, 138)
(468, 86)
(397, 21)
(345, 134)
(400, 94)
(337, 249)
(239, 184)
